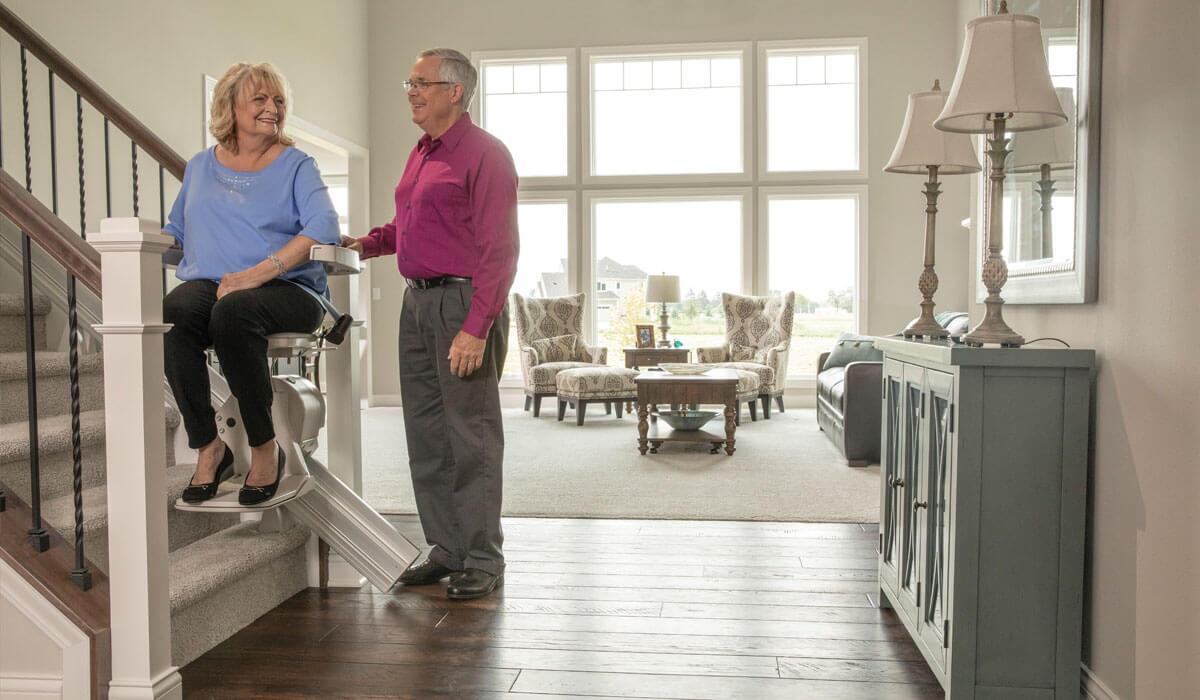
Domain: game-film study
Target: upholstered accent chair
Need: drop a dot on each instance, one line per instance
(550, 338)
(758, 333)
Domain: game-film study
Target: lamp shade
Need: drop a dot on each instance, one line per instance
(921, 145)
(1054, 147)
(1002, 70)
(662, 289)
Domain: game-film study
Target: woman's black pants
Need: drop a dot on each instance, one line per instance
(236, 326)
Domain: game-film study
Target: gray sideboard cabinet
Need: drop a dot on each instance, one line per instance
(981, 537)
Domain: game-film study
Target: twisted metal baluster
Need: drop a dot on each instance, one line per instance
(80, 574)
(38, 538)
(3, 498)
(133, 149)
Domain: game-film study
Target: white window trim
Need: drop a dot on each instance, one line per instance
(585, 94)
(588, 242)
(858, 192)
(761, 87)
(478, 58)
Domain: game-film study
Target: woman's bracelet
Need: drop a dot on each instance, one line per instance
(278, 265)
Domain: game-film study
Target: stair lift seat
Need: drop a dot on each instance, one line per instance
(307, 488)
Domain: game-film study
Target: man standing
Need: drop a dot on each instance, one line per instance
(456, 244)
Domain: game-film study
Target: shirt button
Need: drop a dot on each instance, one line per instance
(408, 206)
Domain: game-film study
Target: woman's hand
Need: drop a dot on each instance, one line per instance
(237, 281)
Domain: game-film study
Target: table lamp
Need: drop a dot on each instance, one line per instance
(663, 289)
(923, 150)
(1043, 151)
(1002, 84)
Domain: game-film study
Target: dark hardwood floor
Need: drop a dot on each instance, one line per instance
(599, 609)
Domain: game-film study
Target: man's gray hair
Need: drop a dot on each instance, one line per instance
(456, 68)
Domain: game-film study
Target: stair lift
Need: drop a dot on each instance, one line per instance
(307, 490)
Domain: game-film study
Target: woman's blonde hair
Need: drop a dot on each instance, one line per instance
(240, 78)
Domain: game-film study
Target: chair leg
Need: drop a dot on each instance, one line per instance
(779, 402)
(737, 417)
(537, 406)
(753, 409)
(766, 405)
(562, 409)
(528, 402)
(620, 405)
(608, 408)
(580, 411)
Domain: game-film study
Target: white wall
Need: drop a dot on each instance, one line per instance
(909, 44)
(1142, 626)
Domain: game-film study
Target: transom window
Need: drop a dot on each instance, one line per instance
(513, 92)
(812, 109)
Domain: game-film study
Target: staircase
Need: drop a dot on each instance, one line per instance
(224, 573)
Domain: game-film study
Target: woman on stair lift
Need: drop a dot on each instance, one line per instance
(248, 211)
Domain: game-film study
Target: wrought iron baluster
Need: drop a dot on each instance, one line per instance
(37, 535)
(80, 574)
(3, 498)
(107, 174)
(133, 150)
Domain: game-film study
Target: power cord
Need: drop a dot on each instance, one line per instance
(1059, 340)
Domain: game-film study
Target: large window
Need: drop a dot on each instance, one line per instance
(675, 175)
(525, 102)
(542, 268)
(812, 250)
(698, 238)
(813, 115)
(650, 111)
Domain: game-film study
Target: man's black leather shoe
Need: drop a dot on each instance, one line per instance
(472, 583)
(425, 573)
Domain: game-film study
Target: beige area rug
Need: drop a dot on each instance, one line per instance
(784, 469)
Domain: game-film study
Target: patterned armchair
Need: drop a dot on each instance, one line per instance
(758, 333)
(550, 338)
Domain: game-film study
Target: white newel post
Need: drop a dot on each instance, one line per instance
(343, 417)
(134, 418)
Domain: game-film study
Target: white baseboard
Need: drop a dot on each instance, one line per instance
(1092, 688)
(22, 687)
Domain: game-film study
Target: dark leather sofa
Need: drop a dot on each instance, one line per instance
(849, 396)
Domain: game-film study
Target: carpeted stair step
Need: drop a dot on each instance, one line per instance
(53, 384)
(183, 527)
(227, 580)
(12, 322)
(54, 439)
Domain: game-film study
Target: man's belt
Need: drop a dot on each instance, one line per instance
(432, 282)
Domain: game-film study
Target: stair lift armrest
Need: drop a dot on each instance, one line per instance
(336, 260)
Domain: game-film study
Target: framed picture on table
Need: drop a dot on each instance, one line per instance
(645, 335)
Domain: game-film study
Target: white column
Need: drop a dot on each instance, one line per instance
(134, 416)
(343, 417)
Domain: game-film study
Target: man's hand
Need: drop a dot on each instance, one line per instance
(466, 354)
(237, 281)
(353, 244)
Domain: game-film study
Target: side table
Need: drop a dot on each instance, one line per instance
(637, 358)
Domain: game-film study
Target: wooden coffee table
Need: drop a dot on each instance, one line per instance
(716, 386)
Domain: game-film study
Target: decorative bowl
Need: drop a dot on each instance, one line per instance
(684, 367)
(686, 419)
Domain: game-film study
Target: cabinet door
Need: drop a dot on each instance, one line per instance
(911, 522)
(892, 502)
(936, 506)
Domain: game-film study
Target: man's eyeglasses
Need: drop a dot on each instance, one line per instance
(421, 85)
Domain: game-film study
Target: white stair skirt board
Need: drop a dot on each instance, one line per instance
(308, 490)
(44, 621)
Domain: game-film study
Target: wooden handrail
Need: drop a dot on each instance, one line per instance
(92, 93)
(49, 232)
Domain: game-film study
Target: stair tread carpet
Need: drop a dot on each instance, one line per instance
(49, 364)
(54, 433)
(210, 564)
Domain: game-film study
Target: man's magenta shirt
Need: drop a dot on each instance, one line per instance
(456, 214)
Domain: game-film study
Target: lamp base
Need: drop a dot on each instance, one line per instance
(664, 326)
(993, 330)
(924, 326)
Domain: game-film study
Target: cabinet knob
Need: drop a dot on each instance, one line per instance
(920, 504)
(895, 482)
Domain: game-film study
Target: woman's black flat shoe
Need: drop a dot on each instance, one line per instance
(198, 493)
(253, 495)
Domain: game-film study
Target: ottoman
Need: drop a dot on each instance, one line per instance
(584, 385)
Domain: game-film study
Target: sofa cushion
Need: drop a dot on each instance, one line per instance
(830, 380)
(852, 348)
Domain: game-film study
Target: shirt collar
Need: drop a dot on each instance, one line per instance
(450, 139)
